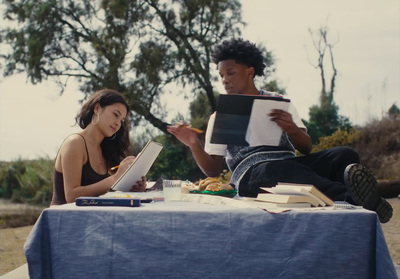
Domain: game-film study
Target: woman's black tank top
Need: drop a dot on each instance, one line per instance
(89, 176)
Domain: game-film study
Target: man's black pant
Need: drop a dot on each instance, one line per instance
(322, 169)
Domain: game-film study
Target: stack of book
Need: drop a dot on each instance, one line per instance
(294, 195)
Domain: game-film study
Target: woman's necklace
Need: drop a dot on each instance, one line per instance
(100, 166)
(100, 162)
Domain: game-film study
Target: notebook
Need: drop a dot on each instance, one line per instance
(140, 167)
(242, 120)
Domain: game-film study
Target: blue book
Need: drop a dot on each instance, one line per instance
(107, 201)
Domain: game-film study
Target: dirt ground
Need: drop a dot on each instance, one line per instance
(12, 240)
(391, 231)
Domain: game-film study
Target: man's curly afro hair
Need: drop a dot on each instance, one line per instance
(243, 52)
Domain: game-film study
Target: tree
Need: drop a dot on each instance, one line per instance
(324, 118)
(273, 86)
(142, 48)
(176, 160)
(394, 112)
(138, 47)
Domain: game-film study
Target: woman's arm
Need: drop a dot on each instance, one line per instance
(71, 158)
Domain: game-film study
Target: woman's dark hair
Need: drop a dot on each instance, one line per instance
(114, 149)
(243, 52)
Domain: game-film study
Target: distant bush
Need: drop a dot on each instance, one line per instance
(27, 181)
(379, 147)
(22, 219)
(338, 138)
(378, 143)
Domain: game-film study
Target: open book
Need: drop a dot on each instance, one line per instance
(140, 167)
(288, 192)
(243, 120)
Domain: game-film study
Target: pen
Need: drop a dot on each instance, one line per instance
(191, 128)
(194, 129)
(114, 168)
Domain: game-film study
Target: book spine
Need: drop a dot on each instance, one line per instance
(107, 202)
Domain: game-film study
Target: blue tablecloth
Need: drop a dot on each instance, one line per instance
(190, 240)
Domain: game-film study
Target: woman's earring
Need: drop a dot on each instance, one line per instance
(113, 137)
(98, 118)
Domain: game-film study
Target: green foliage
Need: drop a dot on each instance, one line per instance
(394, 112)
(377, 143)
(338, 138)
(200, 111)
(273, 86)
(137, 47)
(324, 118)
(324, 121)
(9, 177)
(174, 162)
(27, 181)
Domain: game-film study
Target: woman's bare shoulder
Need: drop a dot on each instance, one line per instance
(74, 141)
(72, 148)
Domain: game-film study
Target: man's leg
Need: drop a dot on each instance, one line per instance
(330, 163)
(327, 170)
(268, 174)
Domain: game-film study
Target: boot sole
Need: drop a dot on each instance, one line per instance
(363, 188)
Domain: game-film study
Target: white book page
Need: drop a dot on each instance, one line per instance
(293, 190)
(309, 188)
(261, 130)
(140, 167)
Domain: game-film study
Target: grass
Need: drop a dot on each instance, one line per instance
(11, 248)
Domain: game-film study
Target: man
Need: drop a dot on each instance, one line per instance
(336, 172)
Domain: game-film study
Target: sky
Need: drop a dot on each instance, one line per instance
(35, 119)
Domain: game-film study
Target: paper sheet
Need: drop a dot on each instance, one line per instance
(261, 130)
(142, 164)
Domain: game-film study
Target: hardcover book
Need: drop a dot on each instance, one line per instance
(107, 201)
(243, 120)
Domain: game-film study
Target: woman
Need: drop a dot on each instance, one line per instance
(84, 160)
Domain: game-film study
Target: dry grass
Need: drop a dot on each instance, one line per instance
(392, 231)
(11, 248)
(12, 241)
(379, 147)
(16, 222)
